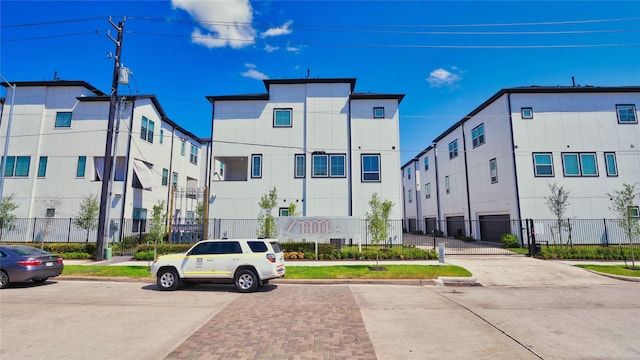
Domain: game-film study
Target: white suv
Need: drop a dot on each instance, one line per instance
(246, 262)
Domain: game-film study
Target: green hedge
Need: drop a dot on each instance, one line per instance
(578, 252)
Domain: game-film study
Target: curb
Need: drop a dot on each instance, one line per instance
(618, 277)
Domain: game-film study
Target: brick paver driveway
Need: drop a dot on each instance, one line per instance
(290, 322)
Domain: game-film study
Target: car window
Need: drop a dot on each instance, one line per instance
(2, 254)
(207, 248)
(231, 247)
(28, 250)
(257, 246)
(276, 247)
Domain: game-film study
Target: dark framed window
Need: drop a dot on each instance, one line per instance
(161, 136)
(17, 166)
(543, 164)
(174, 179)
(626, 114)
(493, 170)
(409, 173)
(82, 166)
(426, 163)
(320, 165)
(146, 130)
(410, 196)
(283, 212)
(282, 117)
(42, 166)
(427, 190)
(579, 164)
(378, 112)
(337, 165)
(634, 211)
(256, 166)
(193, 158)
(447, 185)
(63, 119)
(526, 113)
(371, 168)
(300, 166)
(51, 212)
(165, 177)
(453, 149)
(139, 223)
(611, 163)
(477, 135)
(182, 147)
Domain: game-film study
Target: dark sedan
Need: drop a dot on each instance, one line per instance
(19, 263)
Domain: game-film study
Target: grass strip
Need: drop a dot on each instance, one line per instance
(296, 272)
(614, 269)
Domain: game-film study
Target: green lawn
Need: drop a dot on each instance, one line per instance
(295, 272)
(614, 269)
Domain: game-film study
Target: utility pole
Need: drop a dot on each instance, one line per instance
(108, 159)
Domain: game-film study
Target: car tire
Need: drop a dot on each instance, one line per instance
(167, 279)
(4, 279)
(246, 281)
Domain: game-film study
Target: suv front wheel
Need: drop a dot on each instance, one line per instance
(246, 281)
(168, 279)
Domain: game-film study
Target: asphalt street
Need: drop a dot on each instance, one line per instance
(525, 309)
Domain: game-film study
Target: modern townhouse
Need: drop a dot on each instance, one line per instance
(324, 147)
(495, 165)
(56, 154)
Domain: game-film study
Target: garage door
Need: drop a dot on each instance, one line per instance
(493, 226)
(455, 226)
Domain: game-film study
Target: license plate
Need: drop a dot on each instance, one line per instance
(48, 263)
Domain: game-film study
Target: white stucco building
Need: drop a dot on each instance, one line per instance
(324, 147)
(496, 163)
(57, 149)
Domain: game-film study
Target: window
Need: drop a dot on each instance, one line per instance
(82, 165)
(336, 165)
(626, 114)
(526, 113)
(42, 166)
(410, 196)
(542, 164)
(283, 212)
(378, 113)
(194, 155)
(182, 148)
(51, 212)
(165, 177)
(256, 166)
(257, 246)
(139, 220)
(453, 149)
(282, 117)
(579, 164)
(426, 163)
(146, 130)
(493, 170)
(371, 168)
(477, 135)
(174, 180)
(320, 165)
(299, 171)
(427, 190)
(611, 164)
(634, 211)
(17, 166)
(447, 186)
(63, 119)
(161, 136)
(409, 173)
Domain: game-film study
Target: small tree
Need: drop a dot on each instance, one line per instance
(558, 202)
(378, 221)
(158, 223)
(87, 216)
(622, 203)
(293, 211)
(266, 222)
(7, 218)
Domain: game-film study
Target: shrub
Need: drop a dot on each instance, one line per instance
(509, 241)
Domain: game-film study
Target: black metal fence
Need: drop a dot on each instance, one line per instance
(459, 236)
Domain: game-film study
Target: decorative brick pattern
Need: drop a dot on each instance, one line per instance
(284, 322)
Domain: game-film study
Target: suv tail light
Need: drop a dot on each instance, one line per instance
(271, 258)
(30, 262)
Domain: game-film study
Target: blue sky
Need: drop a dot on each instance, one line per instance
(447, 57)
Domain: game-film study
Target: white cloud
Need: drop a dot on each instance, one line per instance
(252, 73)
(293, 49)
(279, 31)
(268, 48)
(227, 23)
(441, 77)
